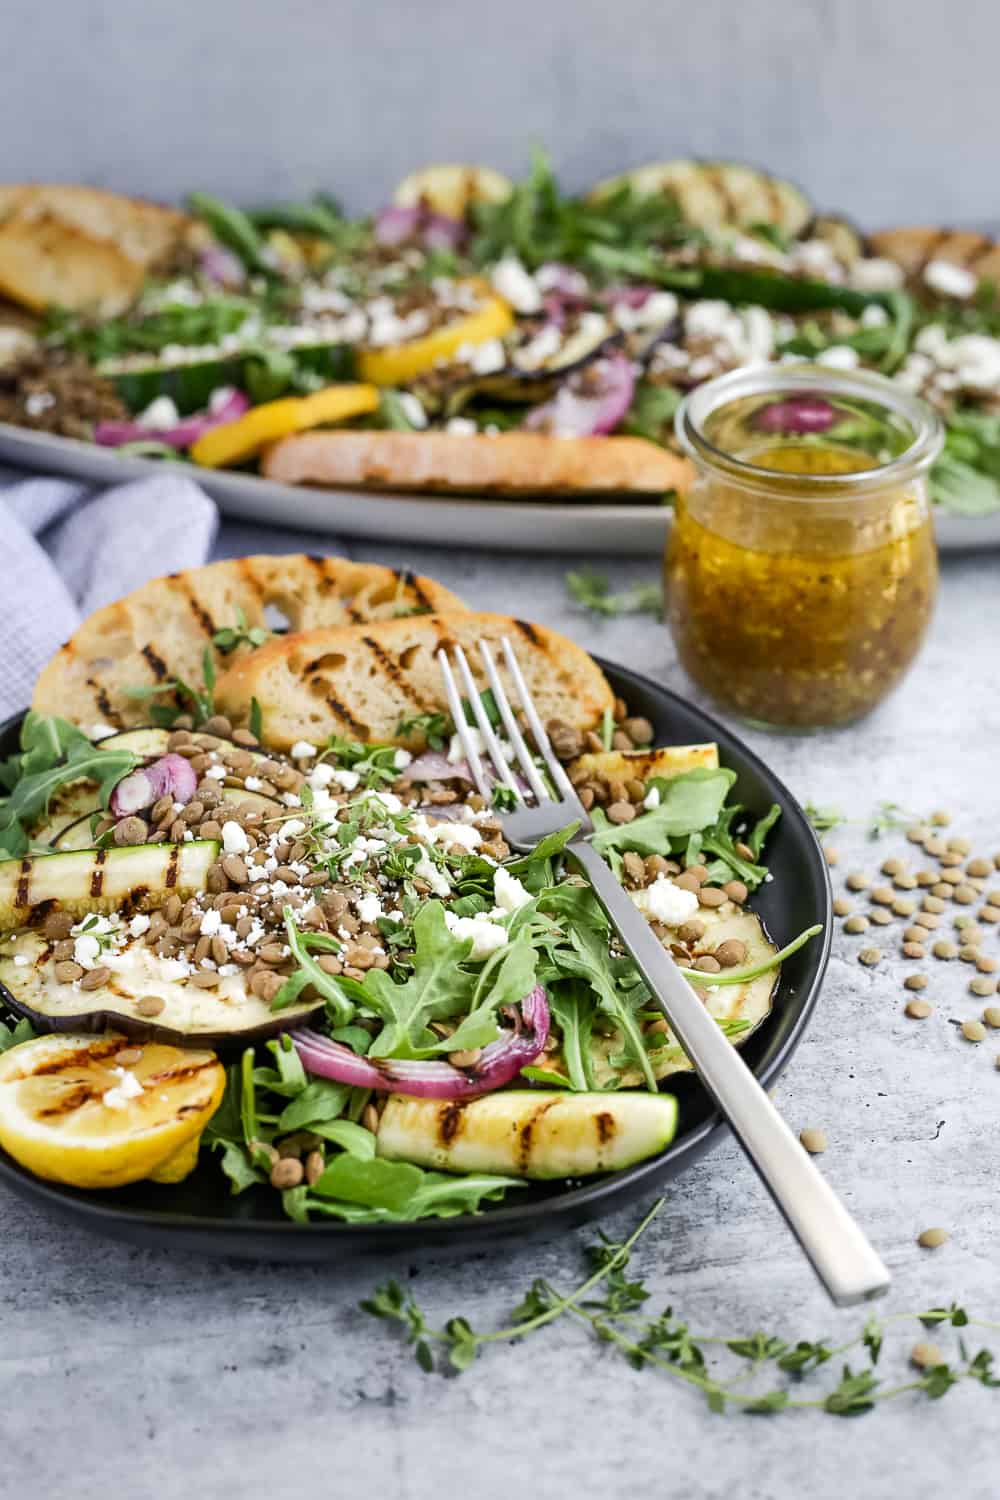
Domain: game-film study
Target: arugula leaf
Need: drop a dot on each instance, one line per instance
(573, 1009)
(376, 1189)
(440, 988)
(728, 861)
(652, 413)
(688, 803)
(53, 753)
(589, 959)
(13, 1036)
(319, 1101)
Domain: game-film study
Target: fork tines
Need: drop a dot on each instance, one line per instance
(523, 756)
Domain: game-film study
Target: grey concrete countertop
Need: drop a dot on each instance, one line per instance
(133, 1374)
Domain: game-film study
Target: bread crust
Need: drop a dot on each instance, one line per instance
(510, 463)
(161, 630)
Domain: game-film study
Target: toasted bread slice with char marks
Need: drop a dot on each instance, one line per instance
(364, 682)
(508, 463)
(914, 248)
(161, 630)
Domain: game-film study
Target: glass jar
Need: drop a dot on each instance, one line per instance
(801, 569)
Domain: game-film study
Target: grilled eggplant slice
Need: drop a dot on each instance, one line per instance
(227, 1016)
(102, 880)
(711, 194)
(527, 1132)
(519, 385)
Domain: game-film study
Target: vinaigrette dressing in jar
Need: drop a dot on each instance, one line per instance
(801, 569)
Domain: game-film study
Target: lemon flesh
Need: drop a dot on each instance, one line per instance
(102, 1111)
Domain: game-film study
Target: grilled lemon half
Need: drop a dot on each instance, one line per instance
(102, 1111)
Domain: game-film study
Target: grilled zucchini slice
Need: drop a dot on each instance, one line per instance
(528, 1132)
(102, 880)
(712, 194)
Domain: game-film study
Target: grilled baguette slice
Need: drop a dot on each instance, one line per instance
(509, 463)
(81, 247)
(363, 682)
(161, 630)
(914, 248)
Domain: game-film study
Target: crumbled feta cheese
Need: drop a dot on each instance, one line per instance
(234, 839)
(252, 783)
(651, 799)
(347, 780)
(488, 357)
(210, 923)
(516, 285)
(537, 352)
(39, 402)
(665, 902)
(389, 801)
(21, 960)
(462, 426)
(456, 751)
(413, 410)
(402, 759)
(87, 951)
(817, 259)
(159, 415)
(303, 750)
(139, 924)
(219, 773)
(655, 312)
(874, 274)
(220, 398)
(291, 799)
(508, 892)
(949, 280)
(291, 830)
(118, 1096)
(369, 908)
(320, 776)
(486, 936)
(839, 357)
(426, 869)
(874, 317)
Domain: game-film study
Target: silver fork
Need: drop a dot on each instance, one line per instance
(841, 1255)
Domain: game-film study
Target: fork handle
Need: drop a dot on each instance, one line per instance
(841, 1255)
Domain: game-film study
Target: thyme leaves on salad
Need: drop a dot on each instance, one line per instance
(727, 1370)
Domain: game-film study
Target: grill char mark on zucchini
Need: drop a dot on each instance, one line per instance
(97, 878)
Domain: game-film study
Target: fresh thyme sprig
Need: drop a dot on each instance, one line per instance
(593, 592)
(666, 1342)
(240, 634)
(823, 819)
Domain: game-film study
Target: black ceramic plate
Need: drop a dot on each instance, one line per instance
(200, 1215)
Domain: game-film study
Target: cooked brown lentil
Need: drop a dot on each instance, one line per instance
(931, 1239)
(983, 986)
(915, 982)
(814, 1141)
(856, 924)
(883, 895)
(918, 1010)
(880, 916)
(857, 881)
(842, 907)
(991, 1016)
(914, 950)
(974, 1031)
(926, 1356)
(944, 949)
(933, 904)
(869, 957)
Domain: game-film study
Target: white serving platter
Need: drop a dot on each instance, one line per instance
(600, 527)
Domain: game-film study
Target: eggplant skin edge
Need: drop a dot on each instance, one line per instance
(141, 1029)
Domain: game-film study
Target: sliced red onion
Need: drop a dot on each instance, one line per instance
(170, 775)
(562, 281)
(221, 266)
(441, 232)
(627, 296)
(434, 765)
(498, 1063)
(591, 402)
(181, 435)
(395, 225)
(797, 414)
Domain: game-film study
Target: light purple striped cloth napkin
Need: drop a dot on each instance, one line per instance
(67, 549)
